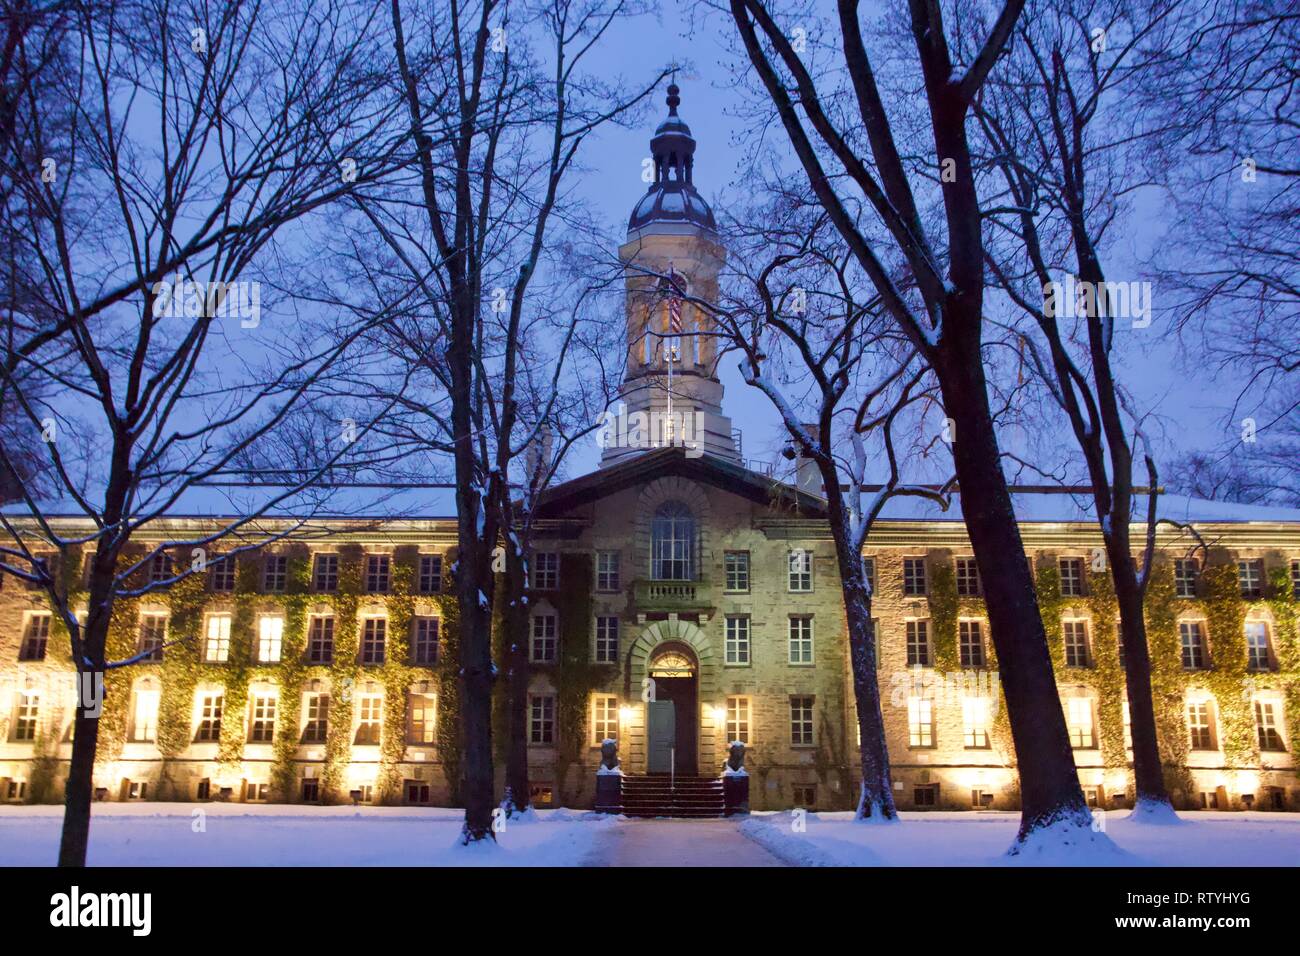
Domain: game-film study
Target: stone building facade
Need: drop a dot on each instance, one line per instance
(681, 598)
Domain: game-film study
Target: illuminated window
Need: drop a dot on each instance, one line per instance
(270, 638)
(370, 710)
(1200, 725)
(541, 647)
(607, 571)
(918, 643)
(1258, 647)
(914, 581)
(320, 639)
(1075, 634)
(430, 573)
(604, 718)
(216, 643)
(738, 719)
(801, 721)
(1128, 727)
(968, 578)
(423, 722)
(606, 639)
(546, 570)
(1266, 729)
(801, 578)
(541, 719)
(36, 637)
(970, 636)
(153, 635)
(1071, 577)
(27, 716)
(736, 564)
(975, 720)
(801, 640)
(210, 705)
(1192, 636)
(737, 639)
(920, 722)
(424, 641)
(1078, 720)
(374, 635)
(144, 717)
(261, 722)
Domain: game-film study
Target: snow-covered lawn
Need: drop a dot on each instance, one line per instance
(174, 834)
(169, 834)
(982, 839)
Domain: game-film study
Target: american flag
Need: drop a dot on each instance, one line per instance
(675, 316)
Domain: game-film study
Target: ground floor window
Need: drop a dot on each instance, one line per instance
(310, 790)
(925, 795)
(805, 795)
(738, 719)
(604, 718)
(801, 721)
(418, 792)
(541, 719)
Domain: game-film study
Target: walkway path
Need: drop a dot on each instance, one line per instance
(677, 843)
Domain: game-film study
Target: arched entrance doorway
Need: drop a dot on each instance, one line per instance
(672, 713)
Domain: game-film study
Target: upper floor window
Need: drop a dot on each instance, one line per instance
(423, 718)
(968, 578)
(869, 572)
(320, 639)
(1078, 721)
(1071, 577)
(316, 712)
(801, 640)
(325, 576)
(270, 638)
(975, 722)
(221, 573)
(36, 636)
(541, 648)
(1077, 652)
(970, 636)
(28, 715)
(216, 644)
(162, 568)
(1295, 578)
(920, 722)
(1186, 571)
(210, 706)
(378, 572)
(1259, 649)
(607, 571)
(261, 722)
(546, 570)
(672, 543)
(1200, 725)
(144, 715)
(275, 572)
(606, 639)
(918, 643)
(1266, 729)
(374, 634)
(424, 641)
(736, 639)
(801, 574)
(153, 635)
(1192, 636)
(914, 584)
(430, 573)
(1250, 575)
(370, 713)
(736, 565)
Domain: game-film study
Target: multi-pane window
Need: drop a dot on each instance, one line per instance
(736, 565)
(1295, 578)
(1259, 655)
(1128, 726)
(968, 578)
(1200, 726)
(1185, 574)
(801, 578)
(604, 718)
(607, 571)
(1075, 634)
(801, 721)
(541, 648)
(1192, 636)
(221, 573)
(975, 721)
(801, 640)
(430, 573)
(261, 719)
(606, 639)
(1270, 738)
(320, 639)
(216, 643)
(379, 569)
(270, 638)
(672, 543)
(153, 634)
(325, 573)
(209, 730)
(737, 639)
(1250, 575)
(541, 719)
(144, 715)
(161, 568)
(1071, 577)
(316, 713)
(36, 637)
(920, 722)
(914, 581)
(546, 570)
(738, 719)
(424, 641)
(374, 635)
(869, 572)
(918, 643)
(925, 795)
(1078, 721)
(970, 643)
(27, 718)
(275, 572)
(370, 713)
(423, 718)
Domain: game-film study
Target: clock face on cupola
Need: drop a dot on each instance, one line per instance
(671, 393)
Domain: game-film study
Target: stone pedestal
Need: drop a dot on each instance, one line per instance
(735, 793)
(609, 793)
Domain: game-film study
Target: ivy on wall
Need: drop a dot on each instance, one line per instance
(576, 677)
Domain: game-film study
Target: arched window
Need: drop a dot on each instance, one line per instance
(672, 552)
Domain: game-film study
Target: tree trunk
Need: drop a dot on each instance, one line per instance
(516, 620)
(1049, 782)
(80, 790)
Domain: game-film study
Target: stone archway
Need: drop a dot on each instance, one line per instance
(687, 639)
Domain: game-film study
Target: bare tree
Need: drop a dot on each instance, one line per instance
(182, 142)
(835, 119)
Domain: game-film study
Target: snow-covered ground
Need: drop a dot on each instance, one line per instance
(214, 834)
(982, 839)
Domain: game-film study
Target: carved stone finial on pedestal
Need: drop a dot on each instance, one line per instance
(609, 755)
(736, 756)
